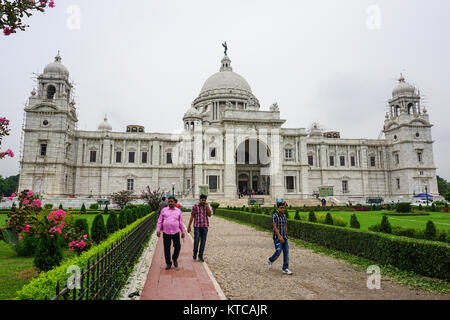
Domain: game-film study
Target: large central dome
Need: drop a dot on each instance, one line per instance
(226, 79)
(225, 87)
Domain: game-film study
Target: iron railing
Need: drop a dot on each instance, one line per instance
(105, 274)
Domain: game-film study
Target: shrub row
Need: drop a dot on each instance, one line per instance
(43, 287)
(423, 257)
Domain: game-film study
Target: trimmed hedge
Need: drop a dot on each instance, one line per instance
(423, 257)
(43, 287)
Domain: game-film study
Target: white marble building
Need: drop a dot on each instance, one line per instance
(228, 144)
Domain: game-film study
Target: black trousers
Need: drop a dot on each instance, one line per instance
(168, 239)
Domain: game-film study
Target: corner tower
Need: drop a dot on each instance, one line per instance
(407, 129)
(47, 164)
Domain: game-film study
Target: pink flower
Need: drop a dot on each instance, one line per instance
(37, 203)
(26, 201)
(13, 195)
(26, 228)
(30, 194)
(10, 198)
(7, 31)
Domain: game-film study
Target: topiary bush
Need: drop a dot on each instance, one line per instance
(430, 231)
(354, 223)
(98, 230)
(122, 219)
(48, 253)
(329, 219)
(312, 217)
(403, 207)
(297, 215)
(385, 225)
(106, 211)
(215, 205)
(129, 215)
(82, 226)
(48, 206)
(112, 224)
(83, 209)
(93, 206)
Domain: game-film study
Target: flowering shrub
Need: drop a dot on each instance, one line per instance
(12, 12)
(49, 232)
(4, 131)
(153, 198)
(361, 209)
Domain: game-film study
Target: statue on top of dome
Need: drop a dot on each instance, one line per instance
(225, 46)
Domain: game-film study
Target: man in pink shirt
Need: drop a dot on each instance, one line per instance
(171, 221)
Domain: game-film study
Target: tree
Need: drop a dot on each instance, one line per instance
(121, 198)
(312, 217)
(443, 186)
(83, 209)
(430, 231)
(122, 219)
(153, 198)
(385, 225)
(354, 223)
(329, 219)
(112, 225)
(98, 230)
(13, 11)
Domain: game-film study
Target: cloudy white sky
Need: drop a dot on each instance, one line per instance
(144, 62)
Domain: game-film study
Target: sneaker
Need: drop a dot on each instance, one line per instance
(201, 260)
(168, 267)
(287, 271)
(175, 264)
(194, 257)
(269, 263)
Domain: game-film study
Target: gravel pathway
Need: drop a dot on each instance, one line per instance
(236, 255)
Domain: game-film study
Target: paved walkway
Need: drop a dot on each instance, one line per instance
(190, 281)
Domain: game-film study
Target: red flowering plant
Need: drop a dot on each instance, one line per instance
(12, 12)
(4, 131)
(23, 217)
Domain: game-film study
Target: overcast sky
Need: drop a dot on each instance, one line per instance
(144, 62)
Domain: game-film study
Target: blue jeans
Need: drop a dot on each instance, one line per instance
(200, 237)
(278, 248)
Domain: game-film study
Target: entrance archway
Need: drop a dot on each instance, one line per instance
(252, 167)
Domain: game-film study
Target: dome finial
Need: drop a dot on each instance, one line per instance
(58, 57)
(225, 47)
(401, 79)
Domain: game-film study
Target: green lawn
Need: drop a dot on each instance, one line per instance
(15, 271)
(369, 218)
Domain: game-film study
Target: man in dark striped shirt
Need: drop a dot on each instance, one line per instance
(280, 238)
(200, 213)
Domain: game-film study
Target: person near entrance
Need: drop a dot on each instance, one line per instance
(171, 221)
(200, 213)
(280, 238)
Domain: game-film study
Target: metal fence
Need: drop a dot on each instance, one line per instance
(106, 274)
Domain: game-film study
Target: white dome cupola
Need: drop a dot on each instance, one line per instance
(403, 88)
(56, 68)
(104, 126)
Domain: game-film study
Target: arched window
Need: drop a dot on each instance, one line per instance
(410, 108)
(51, 90)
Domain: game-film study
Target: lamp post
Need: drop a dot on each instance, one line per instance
(173, 189)
(426, 194)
